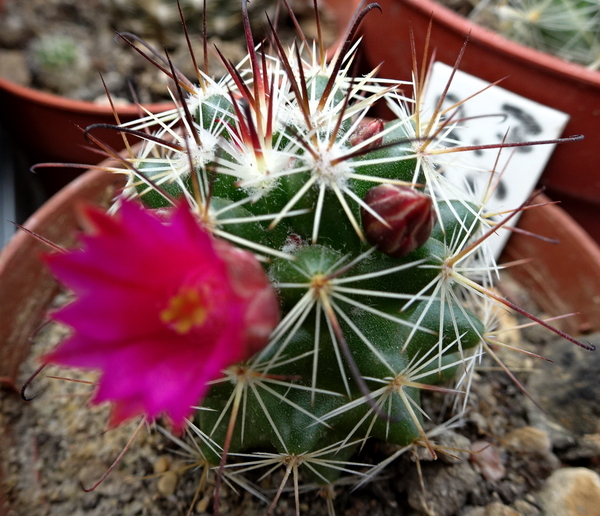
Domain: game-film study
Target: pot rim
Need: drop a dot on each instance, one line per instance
(61, 103)
(479, 35)
(25, 285)
(64, 197)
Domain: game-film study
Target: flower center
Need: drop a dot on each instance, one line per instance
(185, 310)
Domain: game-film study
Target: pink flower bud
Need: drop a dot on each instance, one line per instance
(400, 219)
(368, 130)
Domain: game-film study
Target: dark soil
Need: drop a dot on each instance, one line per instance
(83, 37)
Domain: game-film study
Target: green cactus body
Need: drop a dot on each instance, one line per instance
(395, 163)
(457, 220)
(215, 110)
(314, 402)
(362, 333)
(299, 395)
(158, 173)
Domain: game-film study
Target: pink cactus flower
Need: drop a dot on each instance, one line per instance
(161, 309)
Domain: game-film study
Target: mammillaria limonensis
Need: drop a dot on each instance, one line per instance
(380, 266)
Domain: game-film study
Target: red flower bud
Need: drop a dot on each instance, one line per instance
(406, 218)
(368, 130)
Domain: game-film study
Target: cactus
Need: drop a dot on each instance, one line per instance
(58, 62)
(379, 270)
(569, 29)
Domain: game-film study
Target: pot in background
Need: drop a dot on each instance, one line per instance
(561, 278)
(48, 128)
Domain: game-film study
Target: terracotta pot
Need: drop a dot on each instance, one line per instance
(342, 11)
(561, 278)
(48, 123)
(26, 287)
(574, 169)
(46, 127)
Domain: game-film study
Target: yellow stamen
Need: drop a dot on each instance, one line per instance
(185, 310)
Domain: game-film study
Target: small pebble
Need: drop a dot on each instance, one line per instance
(534, 442)
(167, 483)
(446, 487)
(588, 447)
(571, 492)
(13, 66)
(525, 508)
(493, 509)
(486, 456)
(528, 439)
(453, 447)
(162, 464)
(203, 504)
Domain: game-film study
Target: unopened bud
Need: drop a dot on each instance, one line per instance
(406, 218)
(366, 131)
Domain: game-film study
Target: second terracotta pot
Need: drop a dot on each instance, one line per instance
(573, 172)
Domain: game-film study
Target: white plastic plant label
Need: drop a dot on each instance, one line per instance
(500, 116)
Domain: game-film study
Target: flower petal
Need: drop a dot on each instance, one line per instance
(161, 309)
